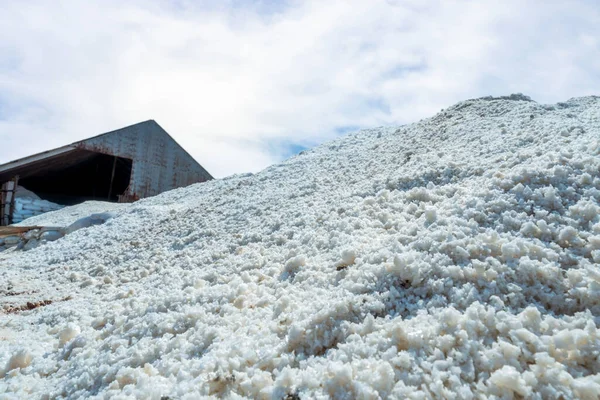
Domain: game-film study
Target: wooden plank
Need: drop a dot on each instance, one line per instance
(19, 230)
(16, 230)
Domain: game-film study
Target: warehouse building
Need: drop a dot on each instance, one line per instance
(124, 165)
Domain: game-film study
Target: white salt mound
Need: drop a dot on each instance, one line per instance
(68, 215)
(452, 258)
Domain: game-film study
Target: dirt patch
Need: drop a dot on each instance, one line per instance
(31, 305)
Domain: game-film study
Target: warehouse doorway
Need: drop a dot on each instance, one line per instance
(85, 176)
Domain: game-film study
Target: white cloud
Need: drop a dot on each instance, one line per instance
(237, 81)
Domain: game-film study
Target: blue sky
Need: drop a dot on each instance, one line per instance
(243, 84)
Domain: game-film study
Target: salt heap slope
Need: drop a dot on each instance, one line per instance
(452, 258)
(68, 215)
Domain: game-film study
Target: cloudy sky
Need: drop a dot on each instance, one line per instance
(243, 84)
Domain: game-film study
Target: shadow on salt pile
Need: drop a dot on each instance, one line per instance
(27, 238)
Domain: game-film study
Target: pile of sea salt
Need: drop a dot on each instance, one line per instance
(452, 258)
(68, 215)
(53, 225)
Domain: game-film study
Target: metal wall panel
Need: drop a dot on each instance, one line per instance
(159, 163)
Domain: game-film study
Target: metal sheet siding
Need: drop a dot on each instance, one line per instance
(159, 163)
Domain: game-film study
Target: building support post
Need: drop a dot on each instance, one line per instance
(112, 177)
(3, 204)
(7, 200)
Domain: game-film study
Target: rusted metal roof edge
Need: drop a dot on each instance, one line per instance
(73, 146)
(54, 152)
(36, 157)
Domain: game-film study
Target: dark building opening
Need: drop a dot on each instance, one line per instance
(90, 179)
(78, 176)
